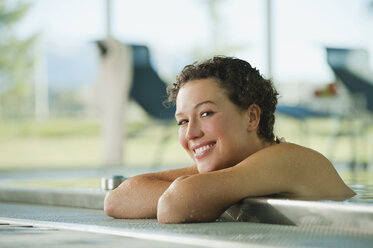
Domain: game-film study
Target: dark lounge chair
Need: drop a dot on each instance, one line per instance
(351, 68)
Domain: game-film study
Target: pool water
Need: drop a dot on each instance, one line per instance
(361, 181)
(364, 193)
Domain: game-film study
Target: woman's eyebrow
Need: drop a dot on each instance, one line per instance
(197, 105)
(204, 102)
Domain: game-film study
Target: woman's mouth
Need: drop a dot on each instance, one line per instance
(201, 151)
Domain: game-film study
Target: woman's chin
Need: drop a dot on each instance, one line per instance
(203, 168)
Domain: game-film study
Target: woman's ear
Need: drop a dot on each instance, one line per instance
(253, 113)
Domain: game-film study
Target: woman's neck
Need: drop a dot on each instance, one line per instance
(259, 144)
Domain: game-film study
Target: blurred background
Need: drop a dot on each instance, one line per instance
(49, 63)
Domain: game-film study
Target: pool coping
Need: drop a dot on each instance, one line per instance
(81, 198)
(331, 214)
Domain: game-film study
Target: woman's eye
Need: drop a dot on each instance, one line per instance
(207, 113)
(182, 122)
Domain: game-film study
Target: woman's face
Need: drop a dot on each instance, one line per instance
(211, 128)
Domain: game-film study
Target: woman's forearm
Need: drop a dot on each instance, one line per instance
(137, 197)
(199, 198)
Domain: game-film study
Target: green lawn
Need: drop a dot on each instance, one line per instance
(67, 143)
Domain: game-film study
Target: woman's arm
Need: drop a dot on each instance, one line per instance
(137, 197)
(197, 198)
(286, 169)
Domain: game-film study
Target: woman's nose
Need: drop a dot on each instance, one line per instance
(193, 131)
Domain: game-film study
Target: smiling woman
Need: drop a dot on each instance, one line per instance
(225, 112)
(204, 110)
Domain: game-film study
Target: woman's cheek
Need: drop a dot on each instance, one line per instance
(182, 139)
(216, 126)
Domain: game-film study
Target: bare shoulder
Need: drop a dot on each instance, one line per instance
(302, 171)
(319, 174)
(302, 160)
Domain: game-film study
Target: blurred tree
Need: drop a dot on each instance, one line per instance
(16, 63)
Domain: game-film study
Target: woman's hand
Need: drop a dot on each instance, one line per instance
(137, 197)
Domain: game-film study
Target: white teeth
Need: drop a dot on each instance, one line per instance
(203, 148)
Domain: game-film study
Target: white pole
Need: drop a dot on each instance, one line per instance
(108, 18)
(269, 52)
(114, 82)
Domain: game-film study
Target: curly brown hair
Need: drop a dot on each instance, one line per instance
(243, 84)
